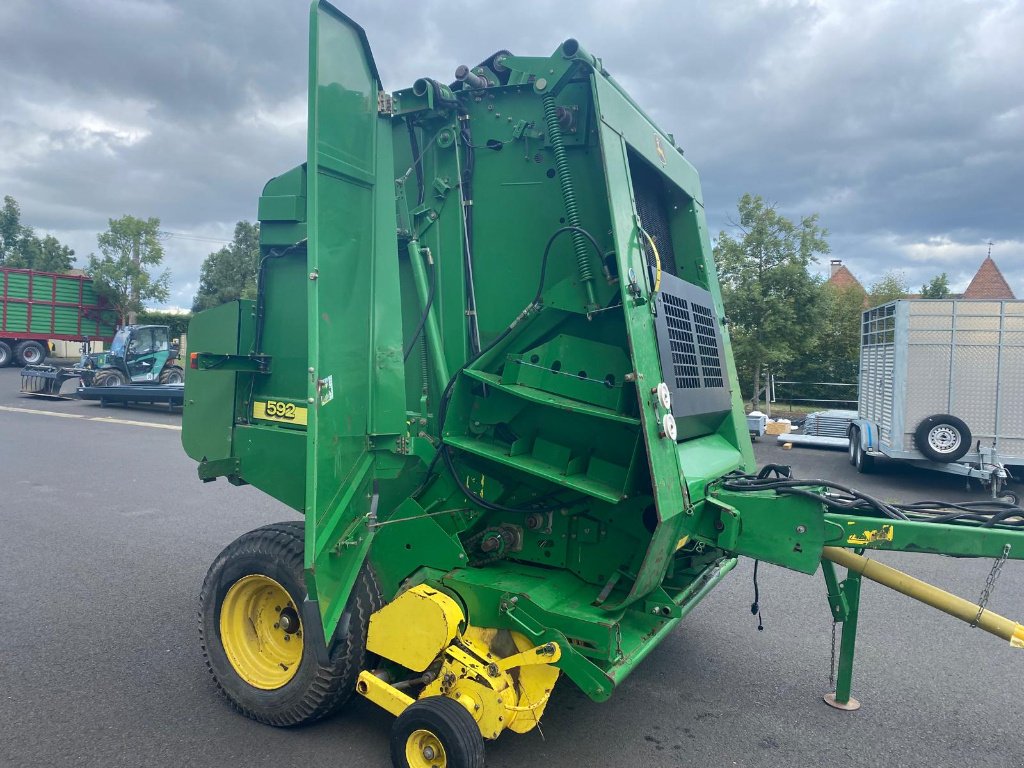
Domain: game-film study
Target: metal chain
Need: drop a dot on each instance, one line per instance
(832, 662)
(990, 583)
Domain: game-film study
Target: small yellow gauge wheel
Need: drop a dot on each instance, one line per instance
(265, 653)
(261, 632)
(423, 749)
(436, 732)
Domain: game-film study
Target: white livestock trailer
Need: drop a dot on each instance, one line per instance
(942, 385)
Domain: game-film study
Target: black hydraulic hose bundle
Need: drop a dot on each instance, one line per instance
(988, 514)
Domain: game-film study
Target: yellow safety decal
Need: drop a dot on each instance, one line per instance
(884, 533)
(277, 410)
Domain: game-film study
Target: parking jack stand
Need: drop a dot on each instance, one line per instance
(844, 600)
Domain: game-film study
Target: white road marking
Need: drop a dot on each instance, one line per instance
(42, 413)
(104, 419)
(110, 420)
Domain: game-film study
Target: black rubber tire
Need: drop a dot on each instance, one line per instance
(928, 425)
(1010, 497)
(315, 691)
(109, 377)
(172, 374)
(6, 355)
(854, 436)
(30, 353)
(862, 461)
(454, 727)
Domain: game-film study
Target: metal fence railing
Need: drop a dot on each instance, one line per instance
(807, 394)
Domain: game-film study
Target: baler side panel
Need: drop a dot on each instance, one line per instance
(352, 260)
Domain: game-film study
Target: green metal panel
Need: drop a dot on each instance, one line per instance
(208, 414)
(17, 285)
(42, 287)
(352, 255)
(42, 318)
(17, 318)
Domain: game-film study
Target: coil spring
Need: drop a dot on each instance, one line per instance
(572, 216)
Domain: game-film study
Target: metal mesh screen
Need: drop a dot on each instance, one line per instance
(652, 207)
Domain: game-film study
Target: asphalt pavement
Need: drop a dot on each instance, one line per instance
(106, 534)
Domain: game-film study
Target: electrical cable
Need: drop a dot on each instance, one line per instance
(755, 607)
(417, 163)
(426, 313)
(261, 290)
(466, 198)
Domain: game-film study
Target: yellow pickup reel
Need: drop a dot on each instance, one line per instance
(476, 682)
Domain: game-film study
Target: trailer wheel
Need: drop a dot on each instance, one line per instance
(1009, 497)
(436, 732)
(863, 461)
(109, 377)
(172, 374)
(943, 438)
(30, 353)
(854, 436)
(5, 354)
(253, 639)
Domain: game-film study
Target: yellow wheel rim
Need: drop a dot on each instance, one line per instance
(424, 750)
(261, 632)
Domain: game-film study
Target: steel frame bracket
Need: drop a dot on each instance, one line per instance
(207, 361)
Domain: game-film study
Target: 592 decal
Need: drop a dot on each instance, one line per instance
(278, 410)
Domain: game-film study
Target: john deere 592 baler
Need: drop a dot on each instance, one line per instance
(511, 419)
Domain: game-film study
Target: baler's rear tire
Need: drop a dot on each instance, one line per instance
(172, 374)
(6, 356)
(436, 732)
(250, 603)
(109, 377)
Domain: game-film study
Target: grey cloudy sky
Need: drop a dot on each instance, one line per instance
(901, 123)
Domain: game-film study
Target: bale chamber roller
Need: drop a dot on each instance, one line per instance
(487, 362)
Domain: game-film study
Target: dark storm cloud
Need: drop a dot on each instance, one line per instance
(901, 124)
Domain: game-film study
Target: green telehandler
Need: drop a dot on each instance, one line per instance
(138, 354)
(488, 361)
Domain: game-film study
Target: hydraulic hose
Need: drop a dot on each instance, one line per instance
(572, 215)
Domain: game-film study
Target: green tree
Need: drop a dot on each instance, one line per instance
(10, 228)
(125, 272)
(45, 254)
(175, 321)
(936, 288)
(230, 273)
(20, 248)
(835, 355)
(891, 286)
(770, 296)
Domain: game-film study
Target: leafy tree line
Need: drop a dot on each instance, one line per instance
(127, 270)
(21, 248)
(230, 273)
(784, 318)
